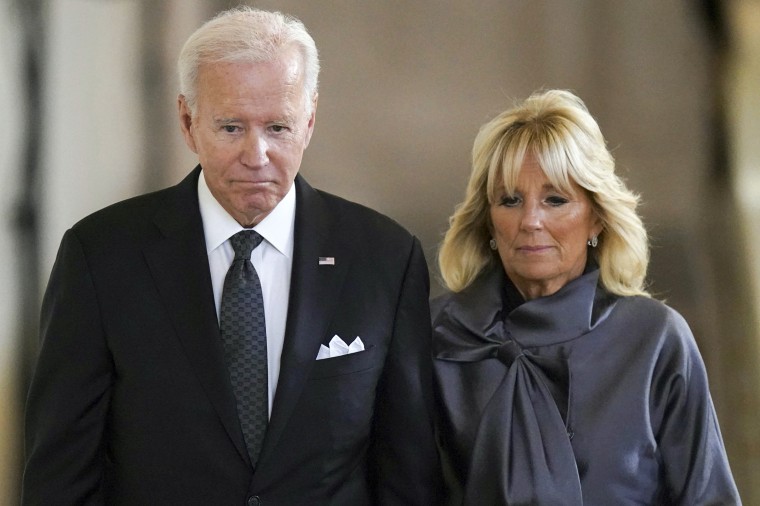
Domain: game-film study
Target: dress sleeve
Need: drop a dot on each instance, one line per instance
(70, 390)
(685, 425)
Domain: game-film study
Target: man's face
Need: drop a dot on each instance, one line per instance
(251, 126)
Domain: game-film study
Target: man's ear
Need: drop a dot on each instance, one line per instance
(186, 122)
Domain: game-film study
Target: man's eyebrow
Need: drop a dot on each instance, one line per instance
(286, 119)
(225, 121)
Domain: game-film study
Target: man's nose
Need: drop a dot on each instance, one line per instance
(255, 148)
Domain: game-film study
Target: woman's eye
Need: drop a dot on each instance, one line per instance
(510, 201)
(556, 200)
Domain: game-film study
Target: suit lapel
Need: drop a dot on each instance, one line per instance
(179, 265)
(314, 294)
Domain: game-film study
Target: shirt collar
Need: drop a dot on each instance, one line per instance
(218, 226)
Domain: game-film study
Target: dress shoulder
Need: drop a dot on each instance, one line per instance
(656, 316)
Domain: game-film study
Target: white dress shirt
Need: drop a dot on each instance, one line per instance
(272, 259)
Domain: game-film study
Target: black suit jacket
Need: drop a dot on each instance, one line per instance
(131, 401)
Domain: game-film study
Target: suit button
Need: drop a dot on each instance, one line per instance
(254, 500)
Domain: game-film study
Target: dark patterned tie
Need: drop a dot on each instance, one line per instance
(245, 341)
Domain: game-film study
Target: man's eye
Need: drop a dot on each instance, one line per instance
(556, 200)
(278, 128)
(230, 129)
(510, 201)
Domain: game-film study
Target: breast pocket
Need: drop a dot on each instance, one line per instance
(345, 364)
(340, 392)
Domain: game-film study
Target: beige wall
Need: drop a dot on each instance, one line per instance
(404, 88)
(11, 136)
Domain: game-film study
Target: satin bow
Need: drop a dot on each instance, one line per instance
(522, 429)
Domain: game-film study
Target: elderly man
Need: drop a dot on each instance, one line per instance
(240, 338)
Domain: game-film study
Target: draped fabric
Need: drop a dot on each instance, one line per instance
(572, 399)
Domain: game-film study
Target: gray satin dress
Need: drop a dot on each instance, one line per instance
(580, 398)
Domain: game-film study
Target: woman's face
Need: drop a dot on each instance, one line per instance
(541, 232)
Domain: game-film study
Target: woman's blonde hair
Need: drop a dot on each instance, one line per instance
(555, 127)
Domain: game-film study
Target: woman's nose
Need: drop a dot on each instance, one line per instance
(532, 217)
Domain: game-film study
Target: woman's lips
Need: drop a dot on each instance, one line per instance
(533, 249)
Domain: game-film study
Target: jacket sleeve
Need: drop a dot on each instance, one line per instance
(69, 393)
(696, 467)
(407, 470)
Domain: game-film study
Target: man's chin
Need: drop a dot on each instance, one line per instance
(253, 212)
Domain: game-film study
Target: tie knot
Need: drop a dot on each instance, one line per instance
(244, 242)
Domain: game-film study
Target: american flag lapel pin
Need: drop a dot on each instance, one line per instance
(326, 260)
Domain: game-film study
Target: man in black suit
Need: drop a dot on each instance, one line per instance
(134, 399)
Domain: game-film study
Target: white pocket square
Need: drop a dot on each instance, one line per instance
(338, 347)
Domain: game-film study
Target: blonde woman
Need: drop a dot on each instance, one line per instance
(559, 380)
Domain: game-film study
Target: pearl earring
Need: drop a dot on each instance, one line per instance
(593, 241)
(492, 244)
